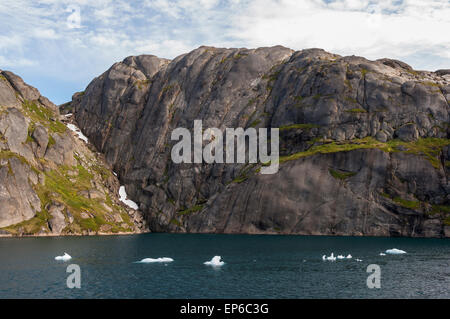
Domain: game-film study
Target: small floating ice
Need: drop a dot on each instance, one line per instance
(331, 257)
(156, 260)
(382, 254)
(358, 259)
(395, 251)
(124, 198)
(75, 129)
(65, 257)
(215, 261)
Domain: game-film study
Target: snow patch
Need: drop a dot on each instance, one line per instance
(124, 198)
(77, 131)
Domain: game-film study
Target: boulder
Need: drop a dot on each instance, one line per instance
(40, 135)
(407, 132)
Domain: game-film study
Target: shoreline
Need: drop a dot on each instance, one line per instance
(72, 235)
(212, 233)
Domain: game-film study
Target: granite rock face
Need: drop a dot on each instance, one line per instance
(44, 169)
(364, 144)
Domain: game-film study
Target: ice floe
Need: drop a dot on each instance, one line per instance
(382, 254)
(215, 261)
(77, 131)
(64, 257)
(156, 260)
(124, 198)
(333, 258)
(358, 259)
(395, 251)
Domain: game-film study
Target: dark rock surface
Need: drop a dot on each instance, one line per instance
(364, 144)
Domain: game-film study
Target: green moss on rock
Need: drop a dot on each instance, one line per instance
(341, 175)
(41, 114)
(305, 126)
(356, 110)
(190, 210)
(411, 204)
(430, 148)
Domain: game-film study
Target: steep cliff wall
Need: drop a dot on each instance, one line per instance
(52, 183)
(364, 144)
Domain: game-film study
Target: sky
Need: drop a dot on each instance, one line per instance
(59, 46)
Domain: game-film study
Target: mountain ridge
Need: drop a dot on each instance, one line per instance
(364, 147)
(364, 144)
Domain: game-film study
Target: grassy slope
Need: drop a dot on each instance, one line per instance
(64, 184)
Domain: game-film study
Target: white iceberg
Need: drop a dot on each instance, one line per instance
(215, 261)
(340, 257)
(124, 199)
(156, 260)
(382, 254)
(77, 131)
(358, 259)
(65, 257)
(331, 257)
(395, 251)
(324, 257)
(349, 256)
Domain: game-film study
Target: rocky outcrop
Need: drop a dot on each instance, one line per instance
(364, 144)
(44, 169)
(18, 200)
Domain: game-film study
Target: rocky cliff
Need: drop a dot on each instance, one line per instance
(364, 144)
(51, 182)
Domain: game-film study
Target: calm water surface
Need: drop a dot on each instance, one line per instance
(256, 267)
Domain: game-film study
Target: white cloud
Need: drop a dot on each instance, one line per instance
(388, 28)
(13, 42)
(45, 33)
(165, 48)
(11, 63)
(104, 14)
(415, 31)
(165, 7)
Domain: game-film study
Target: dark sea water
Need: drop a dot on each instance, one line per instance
(256, 267)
